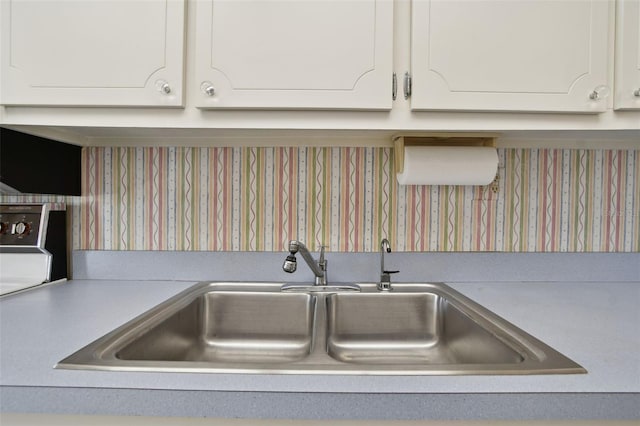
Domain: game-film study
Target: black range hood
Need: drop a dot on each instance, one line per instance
(34, 165)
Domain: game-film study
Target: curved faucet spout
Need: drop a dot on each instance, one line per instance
(385, 276)
(384, 246)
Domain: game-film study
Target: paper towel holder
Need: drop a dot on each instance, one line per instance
(461, 139)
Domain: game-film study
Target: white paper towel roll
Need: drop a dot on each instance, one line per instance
(443, 165)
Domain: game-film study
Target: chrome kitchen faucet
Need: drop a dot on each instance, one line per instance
(319, 267)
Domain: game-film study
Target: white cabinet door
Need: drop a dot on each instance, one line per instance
(322, 54)
(93, 52)
(525, 55)
(627, 83)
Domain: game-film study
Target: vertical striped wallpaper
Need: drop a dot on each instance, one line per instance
(245, 199)
(236, 198)
(348, 199)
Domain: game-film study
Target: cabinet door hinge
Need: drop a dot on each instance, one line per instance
(407, 85)
(394, 86)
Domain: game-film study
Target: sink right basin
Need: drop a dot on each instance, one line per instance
(429, 328)
(409, 328)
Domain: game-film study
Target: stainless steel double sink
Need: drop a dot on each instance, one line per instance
(415, 329)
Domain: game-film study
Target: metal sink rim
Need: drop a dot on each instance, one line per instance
(539, 358)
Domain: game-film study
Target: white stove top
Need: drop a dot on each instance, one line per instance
(25, 260)
(23, 270)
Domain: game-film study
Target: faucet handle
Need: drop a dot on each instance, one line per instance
(389, 272)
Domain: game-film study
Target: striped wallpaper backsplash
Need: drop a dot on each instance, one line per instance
(246, 199)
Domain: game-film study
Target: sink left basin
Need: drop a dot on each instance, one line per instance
(212, 324)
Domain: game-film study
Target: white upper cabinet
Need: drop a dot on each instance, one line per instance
(627, 83)
(525, 55)
(321, 54)
(93, 53)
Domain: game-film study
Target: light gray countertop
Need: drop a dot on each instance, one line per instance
(593, 323)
